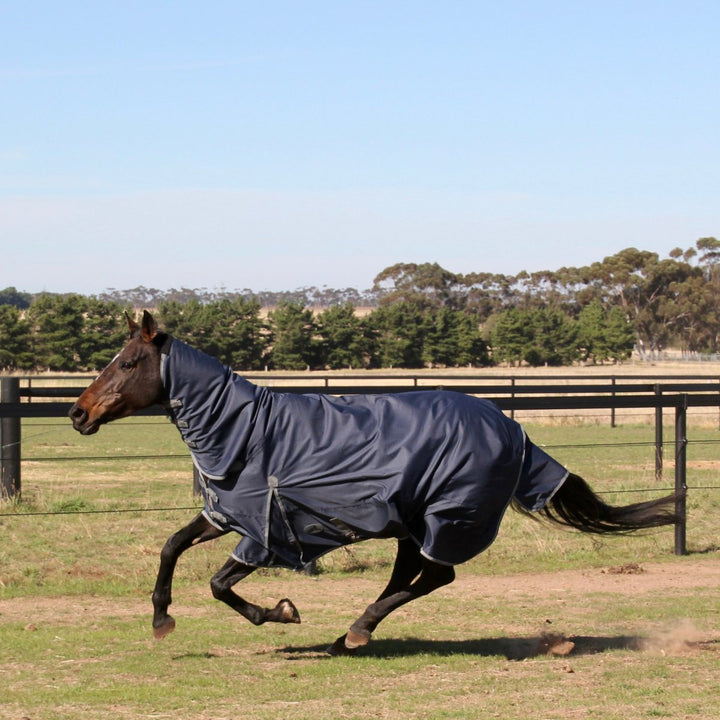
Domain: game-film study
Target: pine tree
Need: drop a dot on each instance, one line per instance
(292, 337)
(343, 337)
(57, 324)
(15, 341)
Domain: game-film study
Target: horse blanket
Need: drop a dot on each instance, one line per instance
(300, 475)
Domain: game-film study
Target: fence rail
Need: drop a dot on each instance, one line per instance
(670, 392)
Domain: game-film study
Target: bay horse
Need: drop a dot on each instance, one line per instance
(300, 475)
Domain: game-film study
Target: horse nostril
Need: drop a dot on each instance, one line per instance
(77, 414)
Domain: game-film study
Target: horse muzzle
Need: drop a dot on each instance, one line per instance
(81, 420)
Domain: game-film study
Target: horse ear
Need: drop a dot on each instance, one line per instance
(149, 327)
(133, 327)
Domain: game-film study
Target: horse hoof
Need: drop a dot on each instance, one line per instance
(355, 639)
(165, 629)
(339, 649)
(288, 612)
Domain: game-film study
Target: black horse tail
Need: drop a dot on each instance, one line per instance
(577, 506)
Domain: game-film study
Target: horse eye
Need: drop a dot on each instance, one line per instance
(127, 364)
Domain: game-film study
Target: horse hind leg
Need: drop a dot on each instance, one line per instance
(231, 573)
(400, 590)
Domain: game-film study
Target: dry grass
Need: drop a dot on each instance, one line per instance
(545, 624)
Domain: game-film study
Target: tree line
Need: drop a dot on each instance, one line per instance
(417, 315)
(152, 298)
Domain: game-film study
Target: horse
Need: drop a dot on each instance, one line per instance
(299, 475)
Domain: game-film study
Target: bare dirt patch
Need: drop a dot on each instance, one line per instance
(313, 595)
(631, 580)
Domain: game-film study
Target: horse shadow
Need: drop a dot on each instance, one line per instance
(511, 648)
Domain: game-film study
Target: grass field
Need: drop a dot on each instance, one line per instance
(546, 624)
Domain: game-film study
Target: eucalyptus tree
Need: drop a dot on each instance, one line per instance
(645, 288)
(697, 298)
(487, 294)
(412, 281)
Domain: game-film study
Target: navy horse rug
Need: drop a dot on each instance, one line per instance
(300, 475)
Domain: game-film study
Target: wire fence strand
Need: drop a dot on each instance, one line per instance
(185, 508)
(44, 513)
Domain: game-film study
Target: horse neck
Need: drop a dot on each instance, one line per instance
(188, 374)
(212, 407)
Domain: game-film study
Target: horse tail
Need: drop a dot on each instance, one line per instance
(577, 506)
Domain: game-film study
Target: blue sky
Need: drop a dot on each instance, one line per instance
(278, 145)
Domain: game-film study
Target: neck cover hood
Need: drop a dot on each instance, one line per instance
(299, 475)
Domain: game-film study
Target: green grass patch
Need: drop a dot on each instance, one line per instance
(80, 553)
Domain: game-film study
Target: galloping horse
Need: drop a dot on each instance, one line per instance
(299, 475)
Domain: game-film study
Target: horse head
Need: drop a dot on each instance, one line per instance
(129, 383)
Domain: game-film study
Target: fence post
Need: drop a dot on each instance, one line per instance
(612, 409)
(681, 475)
(9, 441)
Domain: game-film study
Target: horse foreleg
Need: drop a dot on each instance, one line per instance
(232, 572)
(198, 530)
(432, 576)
